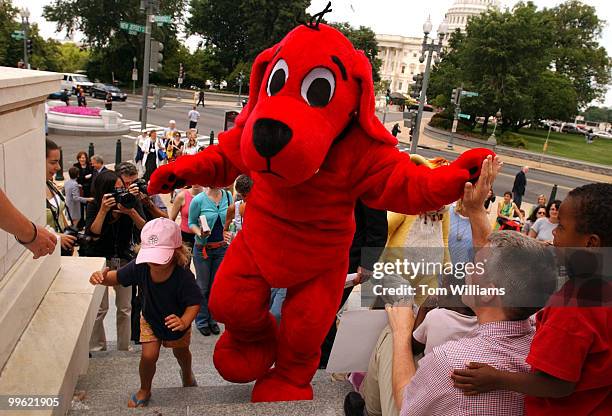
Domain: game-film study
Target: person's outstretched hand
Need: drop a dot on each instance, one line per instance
(44, 243)
(475, 195)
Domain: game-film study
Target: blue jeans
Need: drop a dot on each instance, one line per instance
(205, 275)
(277, 297)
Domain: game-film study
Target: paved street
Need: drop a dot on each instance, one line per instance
(539, 181)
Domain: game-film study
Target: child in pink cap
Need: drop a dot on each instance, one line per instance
(171, 300)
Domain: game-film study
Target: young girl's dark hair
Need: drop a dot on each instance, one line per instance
(244, 185)
(104, 184)
(594, 210)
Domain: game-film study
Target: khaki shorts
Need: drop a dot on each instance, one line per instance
(147, 335)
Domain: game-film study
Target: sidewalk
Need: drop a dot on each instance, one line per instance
(429, 142)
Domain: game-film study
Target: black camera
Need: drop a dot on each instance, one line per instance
(125, 198)
(82, 239)
(142, 186)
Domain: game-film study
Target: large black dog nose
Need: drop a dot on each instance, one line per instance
(270, 136)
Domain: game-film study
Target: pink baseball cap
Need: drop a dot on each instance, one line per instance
(159, 238)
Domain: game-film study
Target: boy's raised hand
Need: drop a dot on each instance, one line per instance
(175, 323)
(476, 378)
(97, 278)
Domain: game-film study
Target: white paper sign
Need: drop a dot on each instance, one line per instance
(356, 338)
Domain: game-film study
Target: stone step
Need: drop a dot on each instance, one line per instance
(214, 399)
(113, 375)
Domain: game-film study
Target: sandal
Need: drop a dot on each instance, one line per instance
(194, 384)
(138, 403)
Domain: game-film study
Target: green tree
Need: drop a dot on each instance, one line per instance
(576, 50)
(506, 56)
(71, 58)
(112, 49)
(11, 50)
(363, 39)
(600, 114)
(238, 31)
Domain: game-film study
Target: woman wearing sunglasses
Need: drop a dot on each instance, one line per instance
(538, 212)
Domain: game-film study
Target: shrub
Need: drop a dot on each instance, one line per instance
(440, 122)
(511, 139)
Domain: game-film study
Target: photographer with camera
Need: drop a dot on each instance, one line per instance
(138, 187)
(111, 219)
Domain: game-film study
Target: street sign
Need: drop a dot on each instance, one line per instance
(17, 36)
(469, 94)
(163, 19)
(18, 32)
(134, 74)
(132, 27)
(466, 116)
(180, 81)
(454, 128)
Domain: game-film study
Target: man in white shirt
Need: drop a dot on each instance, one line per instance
(194, 116)
(169, 131)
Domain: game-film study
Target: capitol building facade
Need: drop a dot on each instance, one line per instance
(400, 54)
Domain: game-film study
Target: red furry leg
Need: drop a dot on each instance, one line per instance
(240, 299)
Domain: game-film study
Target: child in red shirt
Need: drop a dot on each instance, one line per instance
(570, 355)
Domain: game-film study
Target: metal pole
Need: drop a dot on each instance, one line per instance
(118, 152)
(59, 176)
(449, 146)
(91, 150)
(419, 116)
(240, 90)
(24, 23)
(146, 68)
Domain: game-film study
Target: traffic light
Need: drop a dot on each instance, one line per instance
(409, 119)
(181, 71)
(418, 85)
(29, 46)
(388, 96)
(455, 96)
(156, 55)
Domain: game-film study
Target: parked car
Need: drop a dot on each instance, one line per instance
(568, 128)
(58, 95)
(415, 106)
(603, 135)
(71, 81)
(100, 90)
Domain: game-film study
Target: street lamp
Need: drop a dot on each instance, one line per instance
(25, 15)
(492, 140)
(430, 47)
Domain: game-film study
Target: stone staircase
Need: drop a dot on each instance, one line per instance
(113, 375)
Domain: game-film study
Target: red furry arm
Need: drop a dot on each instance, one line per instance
(210, 167)
(389, 180)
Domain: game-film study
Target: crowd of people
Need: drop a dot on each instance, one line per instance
(476, 355)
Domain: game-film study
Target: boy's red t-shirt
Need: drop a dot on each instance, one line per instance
(573, 344)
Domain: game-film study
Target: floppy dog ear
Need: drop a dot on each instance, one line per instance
(367, 108)
(257, 73)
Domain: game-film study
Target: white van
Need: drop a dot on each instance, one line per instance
(71, 81)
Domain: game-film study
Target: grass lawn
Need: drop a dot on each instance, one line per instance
(571, 146)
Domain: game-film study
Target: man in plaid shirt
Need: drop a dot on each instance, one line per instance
(502, 339)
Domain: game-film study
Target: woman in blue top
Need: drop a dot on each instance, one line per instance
(210, 246)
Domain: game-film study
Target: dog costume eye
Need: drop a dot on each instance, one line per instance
(278, 77)
(318, 87)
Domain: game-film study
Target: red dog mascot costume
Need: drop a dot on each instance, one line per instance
(311, 141)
